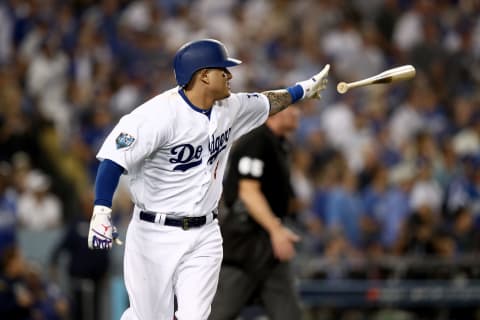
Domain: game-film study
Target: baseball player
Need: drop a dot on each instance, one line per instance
(173, 148)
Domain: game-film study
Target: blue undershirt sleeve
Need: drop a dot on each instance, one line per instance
(106, 182)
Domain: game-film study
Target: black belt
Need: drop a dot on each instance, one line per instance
(183, 222)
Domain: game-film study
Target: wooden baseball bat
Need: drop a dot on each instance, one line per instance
(405, 72)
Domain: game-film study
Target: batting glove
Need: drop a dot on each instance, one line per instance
(313, 86)
(102, 233)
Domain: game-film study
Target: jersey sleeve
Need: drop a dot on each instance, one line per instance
(132, 140)
(253, 110)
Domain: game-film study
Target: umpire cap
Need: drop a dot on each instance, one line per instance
(200, 54)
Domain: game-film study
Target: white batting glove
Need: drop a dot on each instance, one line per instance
(313, 86)
(102, 233)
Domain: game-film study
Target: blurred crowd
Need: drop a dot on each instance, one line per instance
(383, 170)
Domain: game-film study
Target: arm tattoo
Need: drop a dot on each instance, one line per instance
(279, 100)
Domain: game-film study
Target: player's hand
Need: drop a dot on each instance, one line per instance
(313, 86)
(283, 240)
(102, 233)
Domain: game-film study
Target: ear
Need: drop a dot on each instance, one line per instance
(203, 76)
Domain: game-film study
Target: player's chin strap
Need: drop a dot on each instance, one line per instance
(310, 88)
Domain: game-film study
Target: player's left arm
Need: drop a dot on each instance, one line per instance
(281, 99)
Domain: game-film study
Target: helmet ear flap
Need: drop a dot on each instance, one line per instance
(197, 55)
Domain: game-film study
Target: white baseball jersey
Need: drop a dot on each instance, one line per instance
(175, 153)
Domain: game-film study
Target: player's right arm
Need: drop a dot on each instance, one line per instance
(102, 233)
(132, 140)
(307, 89)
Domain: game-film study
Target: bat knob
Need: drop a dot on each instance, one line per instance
(342, 87)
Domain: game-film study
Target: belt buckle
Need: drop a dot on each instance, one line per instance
(185, 225)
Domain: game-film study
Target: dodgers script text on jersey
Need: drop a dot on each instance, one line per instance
(169, 142)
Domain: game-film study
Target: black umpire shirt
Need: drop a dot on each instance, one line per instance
(262, 156)
(259, 155)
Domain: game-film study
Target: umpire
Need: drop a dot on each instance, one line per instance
(257, 246)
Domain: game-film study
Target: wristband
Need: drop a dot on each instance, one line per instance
(296, 92)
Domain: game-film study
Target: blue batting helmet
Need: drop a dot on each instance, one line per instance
(196, 55)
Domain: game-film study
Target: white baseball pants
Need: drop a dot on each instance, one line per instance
(163, 261)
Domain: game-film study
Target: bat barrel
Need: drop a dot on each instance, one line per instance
(388, 76)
